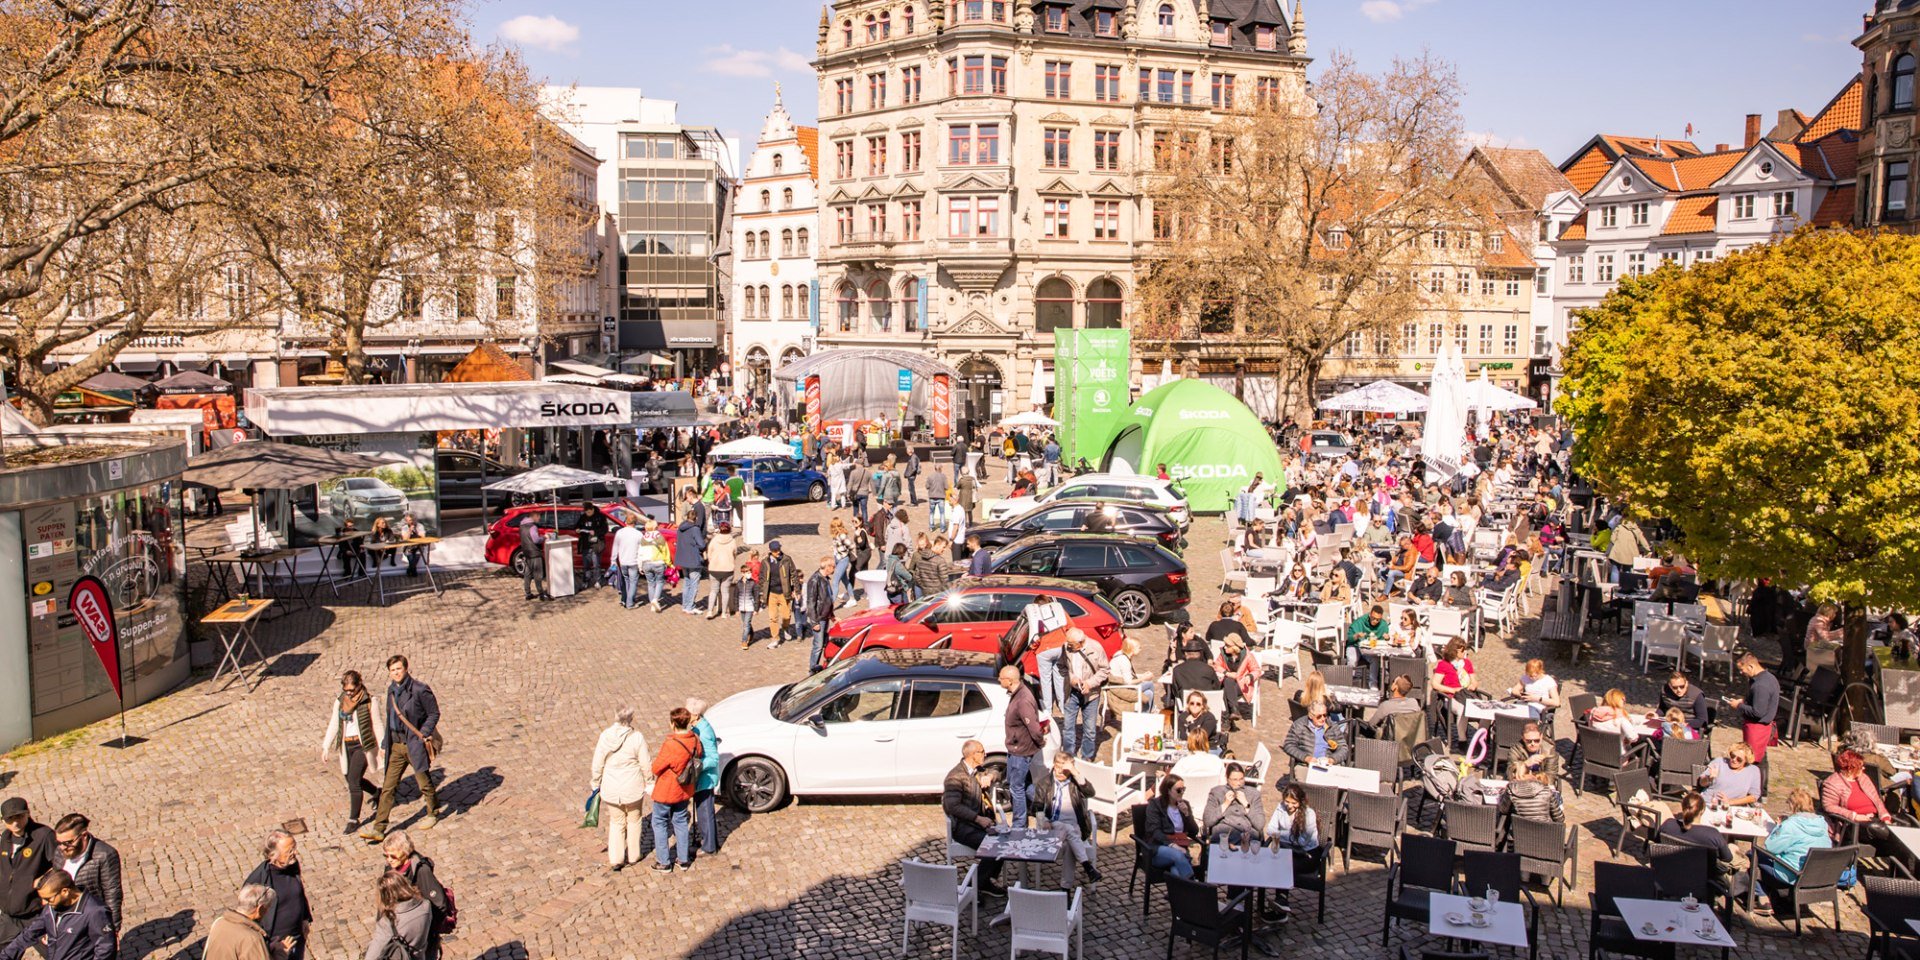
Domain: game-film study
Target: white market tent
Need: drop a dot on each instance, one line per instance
(1483, 395)
(1029, 419)
(1380, 396)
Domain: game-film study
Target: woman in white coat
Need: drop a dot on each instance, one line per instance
(621, 765)
(362, 742)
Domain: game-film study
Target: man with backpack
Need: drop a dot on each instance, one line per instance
(676, 771)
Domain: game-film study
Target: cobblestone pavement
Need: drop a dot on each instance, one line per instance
(524, 690)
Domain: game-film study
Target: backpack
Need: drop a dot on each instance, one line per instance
(447, 920)
(690, 774)
(398, 949)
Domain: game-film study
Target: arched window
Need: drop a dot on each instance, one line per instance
(786, 301)
(846, 33)
(886, 24)
(906, 19)
(766, 199)
(766, 243)
(1103, 304)
(746, 302)
(873, 28)
(779, 162)
(879, 308)
(753, 245)
(849, 307)
(1903, 82)
(766, 301)
(786, 242)
(1053, 306)
(802, 294)
(910, 305)
(786, 199)
(803, 241)
(1166, 19)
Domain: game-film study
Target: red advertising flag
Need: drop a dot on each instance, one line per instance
(942, 406)
(813, 404)
(93, 609)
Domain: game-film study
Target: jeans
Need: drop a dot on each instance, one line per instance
(703, 814)
(817, 630)
(1048, 663)
(629, 585)
(842, 585)
(912, 484)
(1169, 858)
(590, 573)
(1390, 577)
(937, 513)
(676, 813)
(1080, 726)
(746, 625)
(1019, 777)
(689, 588)
(656, 580)
(860, 507)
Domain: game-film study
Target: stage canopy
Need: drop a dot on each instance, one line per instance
(865, 384)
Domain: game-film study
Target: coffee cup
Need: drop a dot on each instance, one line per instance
(1479, 919)
(1477, 904)
(1706, 926)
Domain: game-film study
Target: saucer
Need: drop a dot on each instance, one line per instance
(1693, 909)
(1457, 919)
(1649, 929)
(1484, 921)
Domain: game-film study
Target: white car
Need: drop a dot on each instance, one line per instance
(1118, 486)
(887, 722)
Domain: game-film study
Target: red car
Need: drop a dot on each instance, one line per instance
(978, 613)
(503, 537)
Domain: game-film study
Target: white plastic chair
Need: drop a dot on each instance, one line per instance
(1695, 613)
(1133, 726)
(936, 893)
(1045, 920)
(1262, 769)
(1715, 646)
(1235, 567)
(1112, 793)
(1666, 639)
(957, 851)
(1643, 612)
(1329, 623)
(1217, 705)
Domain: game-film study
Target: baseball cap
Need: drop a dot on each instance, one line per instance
(14, 807)
(773, 545)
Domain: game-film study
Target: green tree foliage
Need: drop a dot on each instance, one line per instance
(1769, 405)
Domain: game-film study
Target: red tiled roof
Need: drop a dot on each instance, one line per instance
(1692, 214)
(1576, 228)
(809, 138)
(1837, 209)
(1846, 111)
(1525, 174)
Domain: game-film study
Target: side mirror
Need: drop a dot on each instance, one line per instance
(818, 725)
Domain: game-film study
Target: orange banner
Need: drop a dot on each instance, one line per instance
(813, 404)
(942, 406)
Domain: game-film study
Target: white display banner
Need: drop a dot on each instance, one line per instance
(432, 407)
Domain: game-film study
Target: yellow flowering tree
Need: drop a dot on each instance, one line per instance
(1768, 405)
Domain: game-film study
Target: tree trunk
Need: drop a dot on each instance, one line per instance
(1853, 667)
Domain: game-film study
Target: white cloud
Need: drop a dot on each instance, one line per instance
(1387, 11)
(731, 62)
(546, 33)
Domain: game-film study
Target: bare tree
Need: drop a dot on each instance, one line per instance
(1287, 227)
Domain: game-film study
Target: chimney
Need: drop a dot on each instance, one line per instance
(1722, 147)
(1753, 129)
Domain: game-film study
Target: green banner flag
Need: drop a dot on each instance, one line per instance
(1090, 377)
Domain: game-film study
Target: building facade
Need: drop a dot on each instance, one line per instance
(776, 294)
(1889, 45)
(1644, 203)
(670, 189)
(980, 161)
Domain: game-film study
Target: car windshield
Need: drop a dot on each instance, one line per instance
(795, 700)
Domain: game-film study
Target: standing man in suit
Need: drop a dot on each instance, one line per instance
(90, 861)
(963, 798)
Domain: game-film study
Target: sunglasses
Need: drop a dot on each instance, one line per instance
(1531, 741)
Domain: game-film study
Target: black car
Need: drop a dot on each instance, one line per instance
(462, 473)
(1141, 579)
(1127, 517)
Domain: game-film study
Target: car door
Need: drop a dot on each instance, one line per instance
(940, 716)
(851, 742)
(1061, 518)
(1040, 561)
(1093, 563)
(965, 621)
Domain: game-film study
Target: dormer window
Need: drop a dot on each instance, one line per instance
(1166, 20)
(1263, 38)
(1337, 238)
(1056, 19)
(1222, 34)
(1496, 243)
(1104, 23)
(1626, 183)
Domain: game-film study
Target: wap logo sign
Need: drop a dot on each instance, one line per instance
(93, 610)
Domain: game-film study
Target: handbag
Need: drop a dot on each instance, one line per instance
(435, 743)
(592, 819)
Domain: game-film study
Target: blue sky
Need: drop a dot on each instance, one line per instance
(1539, 73)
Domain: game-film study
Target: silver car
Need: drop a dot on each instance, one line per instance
(363, 498)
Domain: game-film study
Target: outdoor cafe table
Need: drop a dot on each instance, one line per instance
(1023, 846)
(1488, 709)
(243, 565)
(1909, 837)
(1345, 778)
(1260, 869)
(1672, 923)
(1353, 696)
(330, 549)
(234, 623)
(1507, 926)
(1735, 827)
(377, 554)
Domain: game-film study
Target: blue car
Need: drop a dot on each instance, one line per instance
(780, 478)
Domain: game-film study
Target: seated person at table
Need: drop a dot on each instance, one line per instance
(1733, 779)
(1535, 754)
(1503, 576)
(1400, 571)
(1457, 593)
(353, 556)
(1293, 586)
(410, 529)
(1196, 718)
(1612, 715)
(1685, 825)
(1313, 739)
(1234, 812)
(1314, 690)
(1691, 701)
(1675, 726)
(1453, 673)
(1061, 802)
(1423, 544)
(1801, 832)
(1238, 672)
(1370, 629)
(1426, 587)
(1293, 825)
(1335, 589)
(1347, 568)
(1531, 795)
(1194, 675)
(1539, 691)
(1850, 796)
(1168, 828)
(1396, 702)
(1202, 762)
(1127, 690)
(964, 798)
(1254, 537)
(1876, 764)
(1228, 624)
(1411, 633)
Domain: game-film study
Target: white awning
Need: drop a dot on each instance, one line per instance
(583, 369)
(430, 407)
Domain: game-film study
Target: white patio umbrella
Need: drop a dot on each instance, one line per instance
(1380, 396)
(1029, 419)
(1484, 395)
(751, 447)
(1444, 440)
(550, 479)
(1038, 394)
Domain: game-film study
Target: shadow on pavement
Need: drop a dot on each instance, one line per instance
(156, 934)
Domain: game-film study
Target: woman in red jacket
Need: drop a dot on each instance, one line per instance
(670, 796)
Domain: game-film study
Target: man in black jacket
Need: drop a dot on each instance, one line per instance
(288, 916)
(91, 861)
(26, 854)
(593, 536)
(413, 715)
(73, 925)
(817, 604)
(1688, 699)
(963, 798)
(778, 591)
(533, 551)
(1760, 707)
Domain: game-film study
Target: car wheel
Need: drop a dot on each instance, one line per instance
(1134, 607)
(816, 492)
(519, 562)
(756, 785)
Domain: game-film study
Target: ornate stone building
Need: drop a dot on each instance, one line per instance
(1889, 44)
(979, 163)
(775, 221)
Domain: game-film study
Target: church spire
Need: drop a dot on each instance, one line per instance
(1297, 41)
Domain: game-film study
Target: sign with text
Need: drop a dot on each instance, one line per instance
(93, 610)
(1091, 369)
(942, 406)
(813, 404)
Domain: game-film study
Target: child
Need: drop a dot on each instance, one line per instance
(749, 575)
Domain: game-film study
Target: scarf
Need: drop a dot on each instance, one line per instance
(362, 709)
